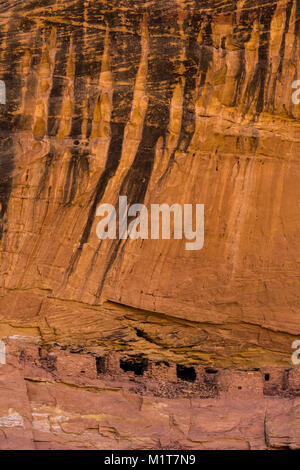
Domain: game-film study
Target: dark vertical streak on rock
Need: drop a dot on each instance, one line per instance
(191, 70)
(286, 28)
(113, 158)
(6, 168)
(124, 49)
(206, 52)
(263, 55)
(79, 80)
(192, 25)
(297, 25)
(88, 44)
(138, 176)
(260, 74)
(25, 120)
(12, 81)
(136, 181)
(45, 175)
(135, 184)
(241, 35)
(94, 47)
(197, 62)
(71, 181)
(281, 55)
(78, 167)
(59, 80)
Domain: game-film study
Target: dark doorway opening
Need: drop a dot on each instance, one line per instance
(138, 366)
(186, 373)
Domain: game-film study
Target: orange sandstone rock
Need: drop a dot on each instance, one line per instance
(162, 102)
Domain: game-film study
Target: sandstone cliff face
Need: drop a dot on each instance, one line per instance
(185, 101)
(62, 400)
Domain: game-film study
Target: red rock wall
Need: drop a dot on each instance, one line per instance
(174, 101)
(64, 400)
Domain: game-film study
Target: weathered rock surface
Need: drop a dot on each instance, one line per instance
(185, 101)
(61, 400)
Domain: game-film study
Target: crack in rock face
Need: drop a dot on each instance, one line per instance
(174, 102)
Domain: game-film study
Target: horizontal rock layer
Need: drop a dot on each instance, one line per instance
(63, 400)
